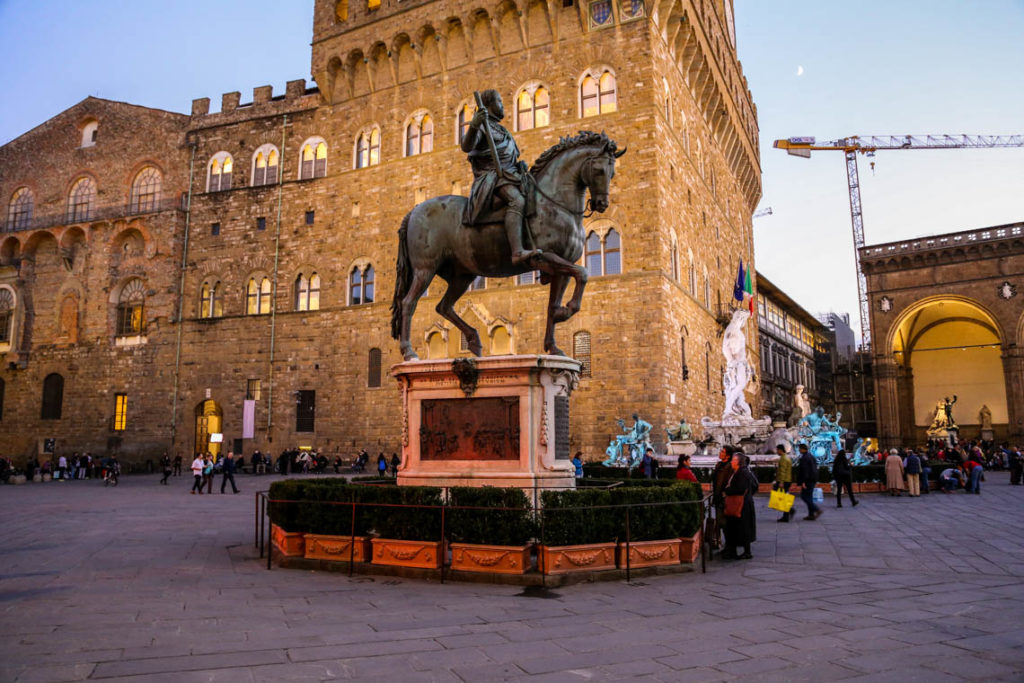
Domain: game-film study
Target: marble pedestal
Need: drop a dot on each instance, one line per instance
(493, 421)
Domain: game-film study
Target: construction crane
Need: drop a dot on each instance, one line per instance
(868, 145)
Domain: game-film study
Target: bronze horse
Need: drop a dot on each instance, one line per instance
(433, 241)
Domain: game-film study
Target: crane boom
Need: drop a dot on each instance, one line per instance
(869, 144)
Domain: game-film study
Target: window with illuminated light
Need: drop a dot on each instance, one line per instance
(368, 148)
(419, 135)
(307, 292)
(313, 162)
(131, 306)
(211, 299)
(598, 93)
(533, 107)
(6, 315)
(258, 296)
(218, 172)
(265, 164)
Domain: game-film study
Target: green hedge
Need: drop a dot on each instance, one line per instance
(569, 517)
(580, 516)
(513, 526)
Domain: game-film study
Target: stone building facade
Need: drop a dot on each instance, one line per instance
(280, 251)
(794, 349)
(947, 318)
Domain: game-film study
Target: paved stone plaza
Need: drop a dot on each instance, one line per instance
(145, 582)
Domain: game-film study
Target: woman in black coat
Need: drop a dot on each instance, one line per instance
(742, 530)
(843, 476)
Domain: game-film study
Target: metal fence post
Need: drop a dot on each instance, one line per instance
(352, 541)
(444, 549)
(627, 544)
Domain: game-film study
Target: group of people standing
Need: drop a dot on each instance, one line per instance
(202, 471)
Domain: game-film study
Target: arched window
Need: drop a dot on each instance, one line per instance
(307, 292)
(53, 397)
(368, 148)
(257, 296)
(373, 369)
(533, 108)
(361, 286)
(501, 341)
(211, 300)
(419, 135)
(219, 172)
(264, 165)
(581, 352)
(145, 190)
(462, 120)
(89, 133)
(314, 159)
(19, 211)
(131, 306)
(436, 346)
(593, 254)
(80, 200)
(6, 315)
(598, 94)
(603, 256)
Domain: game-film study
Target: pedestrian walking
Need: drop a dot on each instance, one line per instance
(912, 467)
(208, 472)
(177, 465)
(228, 473)
(382, 465)
(783, 477)
(395, 462)
(62, 468)
(894, 472)
(197, 472)
(165, 463)
(1016, 465)
(844, 477)
(719, 477)
(807, 478)
(577, 464)
(740, 519)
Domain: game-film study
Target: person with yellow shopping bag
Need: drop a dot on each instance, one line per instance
(783, 480)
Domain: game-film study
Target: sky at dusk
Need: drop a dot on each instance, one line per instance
(827, 69)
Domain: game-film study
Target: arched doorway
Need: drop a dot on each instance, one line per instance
(209, 420)
(946, 346)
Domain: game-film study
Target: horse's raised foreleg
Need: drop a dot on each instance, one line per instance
(420, 280)
(555, 293)
(457, 286)
(555, 265)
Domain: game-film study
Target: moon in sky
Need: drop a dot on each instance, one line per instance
(799, 70)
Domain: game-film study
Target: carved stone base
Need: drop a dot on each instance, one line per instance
(650, 553)
(576, 558)
(422, 554)
(337, 548)
(492, 559)
(493, 421)
(687, 447)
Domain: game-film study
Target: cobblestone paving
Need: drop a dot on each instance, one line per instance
(145, 582)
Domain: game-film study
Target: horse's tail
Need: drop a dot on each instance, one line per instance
(403, 279)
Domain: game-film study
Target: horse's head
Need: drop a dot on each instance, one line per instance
(598, 172)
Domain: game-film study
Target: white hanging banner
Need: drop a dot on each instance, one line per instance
(248, 419)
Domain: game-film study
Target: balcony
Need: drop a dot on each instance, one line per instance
(96, 212)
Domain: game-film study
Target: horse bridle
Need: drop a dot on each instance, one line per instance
(588, 208)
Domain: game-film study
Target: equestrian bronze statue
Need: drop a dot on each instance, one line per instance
(513, 222)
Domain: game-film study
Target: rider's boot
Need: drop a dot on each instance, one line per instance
(514, 231)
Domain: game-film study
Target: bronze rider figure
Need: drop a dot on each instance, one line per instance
(504, 181)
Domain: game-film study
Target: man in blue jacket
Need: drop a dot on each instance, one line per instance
(807, 477)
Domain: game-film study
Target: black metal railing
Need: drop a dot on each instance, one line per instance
(138, 207)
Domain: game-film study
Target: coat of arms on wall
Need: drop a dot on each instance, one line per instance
(885, 304)
(1007, 290)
